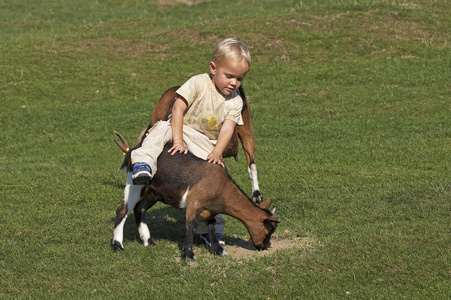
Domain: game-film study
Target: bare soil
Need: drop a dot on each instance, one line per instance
(187, 2)
(239, 248)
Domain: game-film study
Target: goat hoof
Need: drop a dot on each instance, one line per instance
(117, 246)
(149, 242)
(191, 257)
(188, 254)
(257, 197)
(218, 251)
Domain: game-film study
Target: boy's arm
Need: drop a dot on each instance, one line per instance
(178, 110)
(225, 134)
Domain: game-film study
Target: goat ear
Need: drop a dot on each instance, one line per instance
(265, 204)
(273, 219)
(270, 224)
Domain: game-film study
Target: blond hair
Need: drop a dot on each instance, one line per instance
(231, 49)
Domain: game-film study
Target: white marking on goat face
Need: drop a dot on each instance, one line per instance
(183, 202)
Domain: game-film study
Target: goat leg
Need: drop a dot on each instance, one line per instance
(256, 195)
(187, 249)
(246, 136)
(121, 216)
(140, 212)
(131, 197)
(214, 242)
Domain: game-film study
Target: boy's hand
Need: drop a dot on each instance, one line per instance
(225, 134)
(178, 146)
(215, 159)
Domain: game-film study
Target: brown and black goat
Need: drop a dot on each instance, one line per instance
(203, 189)
(244, 133)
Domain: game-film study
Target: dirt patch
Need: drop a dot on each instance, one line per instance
(174, 2)
(240, 248)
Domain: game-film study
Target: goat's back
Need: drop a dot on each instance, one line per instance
(179, 171)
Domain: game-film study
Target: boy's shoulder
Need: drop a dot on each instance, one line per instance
(194, 87)
(204, 77)
(200, 82)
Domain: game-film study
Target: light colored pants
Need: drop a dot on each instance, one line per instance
(197, 143)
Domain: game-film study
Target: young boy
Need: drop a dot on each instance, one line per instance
(204, 116)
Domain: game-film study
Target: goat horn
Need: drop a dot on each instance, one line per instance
(273, 211)
(124, 146)
(121, 137)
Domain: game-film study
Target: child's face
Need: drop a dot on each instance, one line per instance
(228, 75)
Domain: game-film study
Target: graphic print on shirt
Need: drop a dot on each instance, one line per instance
(210, 123)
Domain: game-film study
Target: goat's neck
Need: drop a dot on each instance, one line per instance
(239, 206)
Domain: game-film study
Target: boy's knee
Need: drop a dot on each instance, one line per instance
(220, 219)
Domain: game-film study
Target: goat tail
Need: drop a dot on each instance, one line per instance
(127, 163)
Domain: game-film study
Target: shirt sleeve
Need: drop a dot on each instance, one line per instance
(234, 113)
(189, 90)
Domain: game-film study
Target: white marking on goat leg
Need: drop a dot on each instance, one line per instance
(119, 232)
(183, 201)
(144, 233)
(131, 193)
(252, 170)
(131, 197)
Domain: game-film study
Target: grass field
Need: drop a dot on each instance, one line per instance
(351, 111)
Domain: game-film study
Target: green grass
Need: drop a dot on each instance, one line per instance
(351, 110)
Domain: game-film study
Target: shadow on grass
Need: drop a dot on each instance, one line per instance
(167, 223)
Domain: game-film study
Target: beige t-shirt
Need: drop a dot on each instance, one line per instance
(207, 108)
